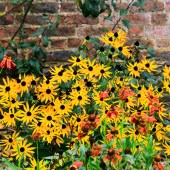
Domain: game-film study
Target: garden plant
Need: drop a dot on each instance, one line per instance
(100, 113)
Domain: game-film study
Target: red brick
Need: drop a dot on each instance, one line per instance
(7, 32)
(162, 43)
(61, 31)
(90, 31)
(167, 6)
(59, 43)
(157, 31)
(68, 7)
(159, 19)
(138, 18)
(136, 31)
(7, 20)
(44, 7)
(74, 42)
(79, 19)
(33, 20)
(153, 6)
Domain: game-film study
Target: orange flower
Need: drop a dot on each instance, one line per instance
(36, 135)
(7, 62)
(95, 151)
(104, 94)
(125, 92)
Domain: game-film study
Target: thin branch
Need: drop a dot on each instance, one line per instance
(120, 16)
(22, 22)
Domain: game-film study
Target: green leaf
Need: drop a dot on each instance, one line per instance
(151, 52)
(38, 32)
(10, 165)
(35, 64)
(2, 52)
(126, 23)
(123, 12)
(45, 41)
(56, 21)
(139, 3)
(94, 40)
(109, 10)
(114, 5)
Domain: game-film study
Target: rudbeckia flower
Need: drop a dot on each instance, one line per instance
(22, 148)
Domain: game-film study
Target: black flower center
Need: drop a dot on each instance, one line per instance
(33, 82)
(23, 83)
(62, 107)
(159, 89)
(136, 43)
(89, 84)
(147, 65)
(112, 89)
(75, 72)
(139, 88)
(136, 132)
(102, 71)
(60, 73)
(18, 81)
(28, 113)
(112, 50)
(48, 91)
(135, 68)
(49, 118)
(48, 132)
(47, 81)
(120, 48)
(115, 34)
(79, 97)
(110, 56)
(87, 38)
(139, 95)
(78, 88)
(63, 126)
(110, 39)
(39, 124)
(77, 60)
(22, 149)
(90, 68)
(11, 115)
(7, 88)
(78, 119)
(101, 49)
(1, 116)
(10, 140)
(13, 101)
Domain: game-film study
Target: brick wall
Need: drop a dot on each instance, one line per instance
(151, 26)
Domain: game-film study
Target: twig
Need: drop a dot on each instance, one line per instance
(23, 21)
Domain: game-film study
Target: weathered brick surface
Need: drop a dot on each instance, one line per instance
(150, 25)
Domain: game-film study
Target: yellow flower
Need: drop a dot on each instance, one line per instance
(166, 72)
(33, 165)
(9, 141)
(29, 114)
(103, 71)
(59, 75)
(134, 69)
(166, 84)
(10, 117)
(77, 61)
(148, 65)
(79, 98)
(167, 148)
(21, 148)
(62, 107)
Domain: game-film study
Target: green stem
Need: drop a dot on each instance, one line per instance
(37, 155)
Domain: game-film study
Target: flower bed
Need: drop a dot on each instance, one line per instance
(96, 113)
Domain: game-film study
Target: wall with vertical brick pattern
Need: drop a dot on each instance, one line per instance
(151, 26)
